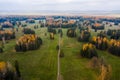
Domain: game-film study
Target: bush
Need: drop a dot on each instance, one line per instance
(28, 42)
(88, 50)
(1, 50)
(61, 53)
(52, 36)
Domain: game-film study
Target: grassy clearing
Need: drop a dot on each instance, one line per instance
(41, 64)
(74, 67)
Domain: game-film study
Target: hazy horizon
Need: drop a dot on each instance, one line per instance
(74, 7)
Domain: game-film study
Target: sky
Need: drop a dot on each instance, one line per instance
(59, 5)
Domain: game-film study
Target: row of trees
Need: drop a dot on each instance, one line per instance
(51, 30)
(113, 46)
(28, 42)
(100, 43)
(114, 34)
(28, 31)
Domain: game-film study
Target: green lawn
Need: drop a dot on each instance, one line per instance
(41, 64)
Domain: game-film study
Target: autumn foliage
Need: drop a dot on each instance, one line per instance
(7, 71)
(100, 43)
(114, 47)
(28, 42)
(7, 34)
(88, 50)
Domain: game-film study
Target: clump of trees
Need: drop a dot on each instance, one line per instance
(28, 42)
(114, 34)
(98, 26)
(100, 43)
(114, 47)
(30, 21)
(88, 50)
(36, 27)
(7, 34)
(28, 31)
(102, 34)
(7, 25)
(84, 36)
(71, 33)
(8, 72)
(51, 30)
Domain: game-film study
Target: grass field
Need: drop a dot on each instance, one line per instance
(41, 64)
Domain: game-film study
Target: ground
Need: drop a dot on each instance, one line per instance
(41, 64)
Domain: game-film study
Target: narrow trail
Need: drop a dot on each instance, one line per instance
(58, 72)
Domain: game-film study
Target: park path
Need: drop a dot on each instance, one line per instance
(59, 76)
(58, 72)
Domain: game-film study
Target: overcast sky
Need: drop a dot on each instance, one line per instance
(76, 5)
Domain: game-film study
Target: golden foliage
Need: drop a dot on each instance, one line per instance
(88, 46)
(2, 66)
(105, 72)
(97, 24)
(26, 39)
(99, 40)
(6, 32)
(114, 43)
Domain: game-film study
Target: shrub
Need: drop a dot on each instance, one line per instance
(1, 50)
(61, 53)
(88, 50)
(52, 36)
